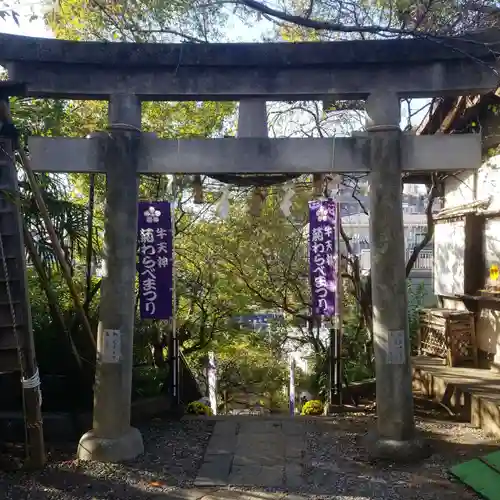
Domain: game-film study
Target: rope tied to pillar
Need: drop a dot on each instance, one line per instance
(33, 382)
(123, 126)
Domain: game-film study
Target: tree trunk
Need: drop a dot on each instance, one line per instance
(363, 291)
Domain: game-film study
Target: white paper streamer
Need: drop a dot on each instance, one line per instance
(333, 185)
(222, 207)
(286, 202)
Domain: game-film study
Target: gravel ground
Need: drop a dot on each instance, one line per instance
(336, 460)
(174, 451)
(336, 466)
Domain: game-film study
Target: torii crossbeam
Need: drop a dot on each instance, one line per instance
(419, 155)
(234, 71)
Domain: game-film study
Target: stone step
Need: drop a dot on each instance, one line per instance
(239, 453)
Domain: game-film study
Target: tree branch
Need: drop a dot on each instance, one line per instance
(430, 227)
(307, 22)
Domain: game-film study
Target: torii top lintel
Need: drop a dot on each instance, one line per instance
(275, 71)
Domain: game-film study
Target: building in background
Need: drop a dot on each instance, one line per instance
(356, 224)
(467, 245)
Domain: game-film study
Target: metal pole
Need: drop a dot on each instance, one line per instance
(336, 326)
(332, 367)
(335, 368)
(173, 349)
(338, 309)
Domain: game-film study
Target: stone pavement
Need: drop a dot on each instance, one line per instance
(232, 494)
(260, 453)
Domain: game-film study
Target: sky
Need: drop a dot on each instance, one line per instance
(26, 26)
(237, 31)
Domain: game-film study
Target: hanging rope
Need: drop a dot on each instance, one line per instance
(254, 180)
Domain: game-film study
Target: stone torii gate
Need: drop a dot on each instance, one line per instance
(381, 72)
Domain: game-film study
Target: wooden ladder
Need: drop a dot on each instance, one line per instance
(12, 336)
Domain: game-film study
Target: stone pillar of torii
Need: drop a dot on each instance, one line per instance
(383, 151)
(112, 438)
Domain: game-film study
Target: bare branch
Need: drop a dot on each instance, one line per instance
(307, 22)
(430, 226)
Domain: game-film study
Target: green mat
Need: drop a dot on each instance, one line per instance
(481, 474)
(493, 460)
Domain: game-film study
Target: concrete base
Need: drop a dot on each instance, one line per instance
(125, 447)
(397, 451)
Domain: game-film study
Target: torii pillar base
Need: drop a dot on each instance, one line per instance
(395, 450)
(124, 447)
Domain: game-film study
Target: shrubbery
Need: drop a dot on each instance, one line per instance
(312, 408)
(197, 408)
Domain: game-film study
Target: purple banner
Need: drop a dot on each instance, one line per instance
(323, 256)
(156, 272)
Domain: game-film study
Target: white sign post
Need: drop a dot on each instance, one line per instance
(111, 351)
(292, 387)
(212, 382)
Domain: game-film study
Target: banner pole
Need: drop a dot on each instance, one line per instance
(338, 307)
(175, 344)
(336, 321)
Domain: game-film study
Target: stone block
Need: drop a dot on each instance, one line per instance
(257, 475)
(221, 445)
(214, 472)
(294, 476)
